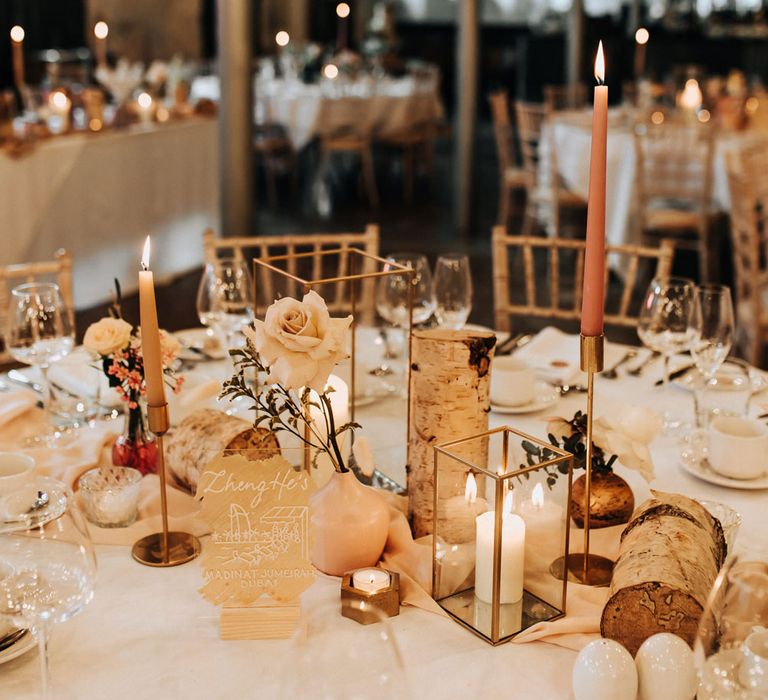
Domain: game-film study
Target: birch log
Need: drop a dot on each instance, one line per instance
(204, 434)
(449, 399)
(670, 554)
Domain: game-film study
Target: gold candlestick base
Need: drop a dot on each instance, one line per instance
(597, 571)
(164, 548)
(181, 548)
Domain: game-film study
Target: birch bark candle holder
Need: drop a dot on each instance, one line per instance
(498, 529)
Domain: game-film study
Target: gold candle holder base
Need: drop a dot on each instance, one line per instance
(164, 548)
(152, 551)
(597, 571)
(368, 608)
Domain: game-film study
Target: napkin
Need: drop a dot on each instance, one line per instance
(556, 356)
(14, 403)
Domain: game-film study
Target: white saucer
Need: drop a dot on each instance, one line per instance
(21, 646)
(546, 396)
(699, 467)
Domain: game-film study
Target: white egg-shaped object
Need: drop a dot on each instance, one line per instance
(604, 670)
(666, 669)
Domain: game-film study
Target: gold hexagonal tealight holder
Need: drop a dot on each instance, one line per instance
(369, 607)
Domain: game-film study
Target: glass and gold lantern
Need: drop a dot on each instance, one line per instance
(500, 525)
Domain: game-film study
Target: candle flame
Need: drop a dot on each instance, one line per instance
(17, 33)
(59, 99)
(537, 497)
(101, 30)
(691, 96)
(600, 64)
(470, 491)
(642, 35)
(145, 255)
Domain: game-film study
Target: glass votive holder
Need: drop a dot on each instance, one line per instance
(730, 520)
(110, 495)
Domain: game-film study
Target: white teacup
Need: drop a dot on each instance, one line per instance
(753, 672)
(738, 447)
(513, 382)
(16, 471)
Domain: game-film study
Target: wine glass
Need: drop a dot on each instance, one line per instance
(47, 562)
(664, 325)
(225, 298)
(40, 332)
(731, 639)
(712, 328)
(393, 291)
(452, 290)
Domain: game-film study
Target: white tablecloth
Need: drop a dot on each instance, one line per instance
(571, 135)
(100, 195)
(149, 634)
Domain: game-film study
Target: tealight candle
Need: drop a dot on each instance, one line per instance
(370, 580)
(512, 555)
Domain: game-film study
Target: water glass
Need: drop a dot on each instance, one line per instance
(665, 325)
(40, 333)
(452, 291)
(225, 298)
(47, 564)
(712, 329)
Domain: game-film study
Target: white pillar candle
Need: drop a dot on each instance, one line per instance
(543, 528)
(370, 580)
(512, 557)
(510, 617)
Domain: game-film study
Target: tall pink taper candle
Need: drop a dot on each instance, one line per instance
(593, 298)
(150, 334)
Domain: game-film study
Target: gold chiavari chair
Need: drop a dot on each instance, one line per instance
(314, 266)
(544, 260)
(58, 270)
(511, 176)
(530, 125)
(561, 97)
(674, 185)
(749, 238)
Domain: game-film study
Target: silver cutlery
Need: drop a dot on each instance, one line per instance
(23, 380)
(613, 373)
(564, 389)
(513, 343)
(637, 371)
(11, 638)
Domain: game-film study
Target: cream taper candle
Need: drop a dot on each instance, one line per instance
(150, 334)
(593, 298)
(17, 47)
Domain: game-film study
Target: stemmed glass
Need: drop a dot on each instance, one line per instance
(664, 325)
(712, 327)
(225, 298)
(40, 332)
(452, 290)
(47, 562)
(731, 640)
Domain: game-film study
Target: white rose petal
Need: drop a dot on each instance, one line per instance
(107, 336)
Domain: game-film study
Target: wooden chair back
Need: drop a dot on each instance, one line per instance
(308, 257)
(58, 270)
(674, 164)
(529, 284)
(502, 129)
(749, 236)
(530, 123)
(562, 97)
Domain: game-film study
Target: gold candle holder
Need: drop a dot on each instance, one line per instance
(164, 548)
(585, 567)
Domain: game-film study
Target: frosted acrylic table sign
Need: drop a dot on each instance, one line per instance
(256, 564)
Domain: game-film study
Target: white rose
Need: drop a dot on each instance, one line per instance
(627, 434)
(300, 342)
(107, 336)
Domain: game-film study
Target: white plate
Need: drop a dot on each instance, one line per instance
(196, 338)
(546, 396)
(21, 646)
(699, 467)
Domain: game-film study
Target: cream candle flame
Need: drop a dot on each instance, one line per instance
(600, 64)
(691, 96)
(470, 490)
(59, 100)
(537, 497)
(642, 35)
(145, 254)
(17, 33)
(101, 30)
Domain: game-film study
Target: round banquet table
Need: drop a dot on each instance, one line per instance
(570, 134)
(148, 633)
